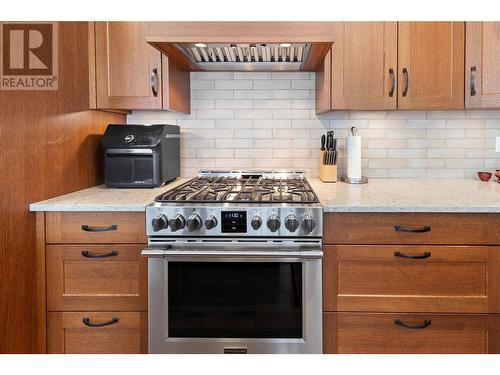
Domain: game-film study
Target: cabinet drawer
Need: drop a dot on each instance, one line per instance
(96, 278)
(412, 228)
(349, 333)
(385, 278)
(97, 333)
(96, 227)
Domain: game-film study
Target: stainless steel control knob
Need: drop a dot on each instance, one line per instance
(308, 223)
(211, 222)
(256, 222)
(161, 222)
(292, 223)
(194, 222)
(176, 223)
(273, 223)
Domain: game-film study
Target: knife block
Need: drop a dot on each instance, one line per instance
(327, 173)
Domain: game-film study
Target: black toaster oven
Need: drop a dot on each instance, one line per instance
(140, 155)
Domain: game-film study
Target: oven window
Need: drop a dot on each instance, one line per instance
(235, 300)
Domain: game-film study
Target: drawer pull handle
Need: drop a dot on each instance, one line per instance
(401, 255)
(425, 228)
(426, 324)
(86, 228)
(88, 323)
(112, 253)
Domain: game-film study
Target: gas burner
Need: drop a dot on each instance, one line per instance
(242, 187)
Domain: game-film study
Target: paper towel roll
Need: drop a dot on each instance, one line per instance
(354, 156)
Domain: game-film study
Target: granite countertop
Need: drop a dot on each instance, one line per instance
(102, 198)
(379, 195)
(409, 195)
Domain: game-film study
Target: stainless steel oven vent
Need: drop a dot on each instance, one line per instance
(240, 56)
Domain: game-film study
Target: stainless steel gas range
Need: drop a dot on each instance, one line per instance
(235, 265)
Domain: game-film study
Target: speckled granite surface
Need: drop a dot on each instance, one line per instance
(409, 195)
(102, 198)
(379, 195)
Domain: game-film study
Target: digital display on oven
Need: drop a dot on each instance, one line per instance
(234, 222)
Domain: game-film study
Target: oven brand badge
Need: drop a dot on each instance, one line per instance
(29, 56)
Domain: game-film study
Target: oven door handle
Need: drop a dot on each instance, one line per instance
(269, 253)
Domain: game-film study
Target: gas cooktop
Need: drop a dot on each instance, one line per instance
(236, 204)
(242, 187)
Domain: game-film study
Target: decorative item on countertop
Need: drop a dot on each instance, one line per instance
(354, 175)
(484, 176)
(497, 175)
(328, 158)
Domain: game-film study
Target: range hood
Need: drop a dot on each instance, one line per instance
(247, 56)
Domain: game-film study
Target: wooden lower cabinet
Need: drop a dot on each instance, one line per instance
(363, 333)
(92, 282)
(97, 332)
(391, 278)
(96, 278)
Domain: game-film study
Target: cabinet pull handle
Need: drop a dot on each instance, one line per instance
(88, 323)
(473, 81)
(406, 81)
(425, 228)
(154, 82)
(393, 82)
(406, 256)
(86, 254)
(112, 227)
(426, 324)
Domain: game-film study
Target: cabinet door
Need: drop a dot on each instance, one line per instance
(482, 64)
(96, 278)
(356, 333)
(431, 65)
(431, 279)
(128, 70)
(364, 64)
(97, 333)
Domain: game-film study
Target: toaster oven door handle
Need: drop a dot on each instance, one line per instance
(136, 151)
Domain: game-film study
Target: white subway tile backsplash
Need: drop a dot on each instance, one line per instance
(272, 104)
(233, 123)
(213, 94)
(291, 94)
(233, 104)
(465, 123)
(406, 114)
(252, 94)
(253, 113)
(272, 123)
(268, 120)
(233, 84)
(253, 133)
(440, 153)
(273, 84)
(252, 75)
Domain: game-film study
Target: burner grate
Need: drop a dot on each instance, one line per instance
(248, 189)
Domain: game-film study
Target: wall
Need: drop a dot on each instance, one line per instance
(48, 147)
(267, 120)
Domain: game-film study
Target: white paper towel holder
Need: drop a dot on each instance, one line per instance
(350, 180)
(362, 180)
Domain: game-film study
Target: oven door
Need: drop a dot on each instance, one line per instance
(235, 299)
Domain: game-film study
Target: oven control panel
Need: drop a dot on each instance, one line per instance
(240, 221)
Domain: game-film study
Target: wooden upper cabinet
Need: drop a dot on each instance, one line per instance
(323, 85)
(482, 65)
(431, 65)
(128, 70)
(364, 65)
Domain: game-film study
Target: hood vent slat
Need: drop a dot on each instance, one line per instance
(245, 56)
